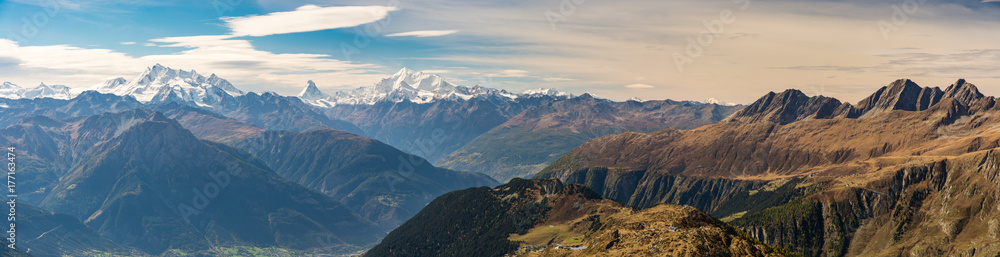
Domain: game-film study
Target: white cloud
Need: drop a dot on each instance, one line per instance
(557, 79)
(127, 43)
(149, 44)
(424, 33)
(306, 18)
(639, 86)
(236, 60)
(436, 71)
(509, 74)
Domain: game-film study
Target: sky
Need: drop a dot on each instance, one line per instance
(732, 50)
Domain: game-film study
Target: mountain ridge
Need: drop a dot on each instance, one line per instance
(820, 177)
(413, 86)
(154, 166)
(546, 217)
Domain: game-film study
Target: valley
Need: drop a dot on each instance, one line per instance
(448, 128)
(787, 174)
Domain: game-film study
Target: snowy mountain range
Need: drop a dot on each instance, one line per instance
(160, 84)
(717, 101)
(163, 84)
(11, 91)
(413, 86)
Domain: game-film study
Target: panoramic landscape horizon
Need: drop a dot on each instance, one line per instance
(500, 128)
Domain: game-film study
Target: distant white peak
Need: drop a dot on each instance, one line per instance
(8, 85)
(716, 101)
(413, 86)
(635, 98)
(48, 91)
(544, 91)
(311, 92)
(420, 81)
(11, 91)
(163, 83)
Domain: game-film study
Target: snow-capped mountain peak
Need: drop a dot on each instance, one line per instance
(717, 101)
(311, 92)
(13, 91)
(312, 95)
(406, 78)
(544, 92)
(10, 91)
(8, 85)
(413, 86)
(161, 83)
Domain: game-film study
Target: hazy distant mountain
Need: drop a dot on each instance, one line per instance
(422, 113)
(156, 187)
(381, 183)
(42, 234)
(275, 112)
(412, 86)
(525, 144)
(11, 91)
(894, 174)
(360, 172)
(433, 130)
(87, 103)
(547, 218)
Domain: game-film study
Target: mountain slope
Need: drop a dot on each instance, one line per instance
(206, 124)
(432, 130)
(524, 217)
(423, 114)
(86, 103)
(815, 175)
(274, 112)
(156, 187)
(42, 233)
(376, 180)
(525, 144)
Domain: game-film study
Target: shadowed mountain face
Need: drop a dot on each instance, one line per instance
(43, 234)
(366, 175)
(821, 177)
(526, 143)
(87, 103)
(156, 187)
(47, 147)
(536, 217)
(376, 180)
(435, 129)
(782, 133)
(275, 112)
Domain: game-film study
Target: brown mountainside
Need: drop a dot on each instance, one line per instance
(548, 218)
(534, 138)
(907, 171)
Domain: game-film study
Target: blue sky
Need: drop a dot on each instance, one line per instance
(616, 49)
